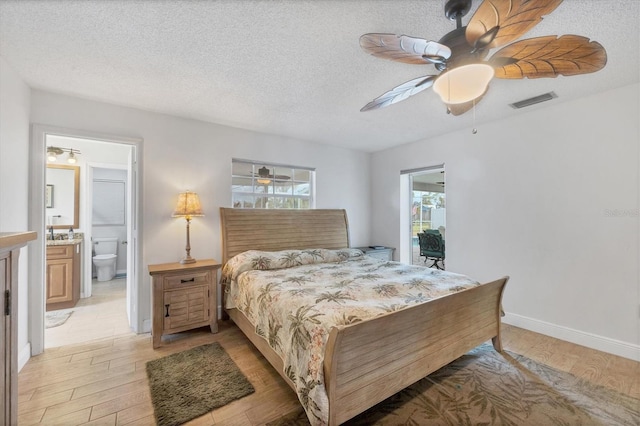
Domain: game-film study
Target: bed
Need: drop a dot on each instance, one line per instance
(363, 362)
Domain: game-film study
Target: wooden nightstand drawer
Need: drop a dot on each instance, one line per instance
(183, 280)
(183, 297)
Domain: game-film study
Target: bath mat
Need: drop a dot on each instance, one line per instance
(56, 318)
(191, 383)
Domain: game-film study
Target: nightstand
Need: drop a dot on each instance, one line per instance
(385, 253)
(183, 297)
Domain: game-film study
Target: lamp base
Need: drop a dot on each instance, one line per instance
(187, 258)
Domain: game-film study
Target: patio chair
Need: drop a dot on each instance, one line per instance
(432, 247)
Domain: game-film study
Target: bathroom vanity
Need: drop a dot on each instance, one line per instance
(63, 273)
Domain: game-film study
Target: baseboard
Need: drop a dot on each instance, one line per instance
(593, 341)
(24, 355)
(146, 326)
(119, 274)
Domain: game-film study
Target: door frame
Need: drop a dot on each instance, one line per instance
(406, 205)
(37, 257)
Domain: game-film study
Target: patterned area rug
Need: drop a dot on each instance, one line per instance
(191, 383)
(487, 388)
(56, 318)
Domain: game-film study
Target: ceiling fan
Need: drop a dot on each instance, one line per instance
(264, 176)
(460, 55)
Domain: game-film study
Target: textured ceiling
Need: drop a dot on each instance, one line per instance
(291, 68)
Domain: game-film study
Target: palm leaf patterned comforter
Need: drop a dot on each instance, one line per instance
(295, 297)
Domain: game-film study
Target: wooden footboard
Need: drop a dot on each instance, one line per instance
(367, 362)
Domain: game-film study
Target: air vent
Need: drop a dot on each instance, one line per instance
(532, 101)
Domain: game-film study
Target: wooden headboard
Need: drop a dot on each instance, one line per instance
(273, 230)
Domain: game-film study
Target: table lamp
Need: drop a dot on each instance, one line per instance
(187, 207)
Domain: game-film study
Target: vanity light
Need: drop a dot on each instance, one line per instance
(54, 151)
(187, 207)
(72, 158)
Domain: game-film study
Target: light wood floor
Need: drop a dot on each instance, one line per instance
(104, 314)
(104, 382)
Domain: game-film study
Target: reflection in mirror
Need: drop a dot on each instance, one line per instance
(62, 196)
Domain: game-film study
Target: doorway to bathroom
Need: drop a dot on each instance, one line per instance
(102, 309)
(107, 229)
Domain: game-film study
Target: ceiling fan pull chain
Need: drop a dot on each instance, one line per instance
(474, 131)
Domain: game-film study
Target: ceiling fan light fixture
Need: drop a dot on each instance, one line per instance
(464, 83)
(263, 176)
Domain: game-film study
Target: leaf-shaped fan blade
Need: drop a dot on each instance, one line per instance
(514, 17)
(549, 57)
(402, 48)
(459, 109)
(485, 40)
(400, 93)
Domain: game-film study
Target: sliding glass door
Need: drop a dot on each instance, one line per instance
(428, 207)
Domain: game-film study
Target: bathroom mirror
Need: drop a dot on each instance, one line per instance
(62, 196)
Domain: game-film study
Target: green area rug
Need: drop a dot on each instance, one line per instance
(485, 387)
(191, 383)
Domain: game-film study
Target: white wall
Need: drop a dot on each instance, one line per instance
(549, 197)
(180, 154)
(14, 182)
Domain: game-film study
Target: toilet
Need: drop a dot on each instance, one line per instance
(105, 257)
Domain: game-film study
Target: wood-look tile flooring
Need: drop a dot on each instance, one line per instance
(104, 382)
(104, 314)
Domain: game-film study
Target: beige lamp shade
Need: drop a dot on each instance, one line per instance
(464, 83)
(188, 205)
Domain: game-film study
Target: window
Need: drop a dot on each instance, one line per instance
(271, 186)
